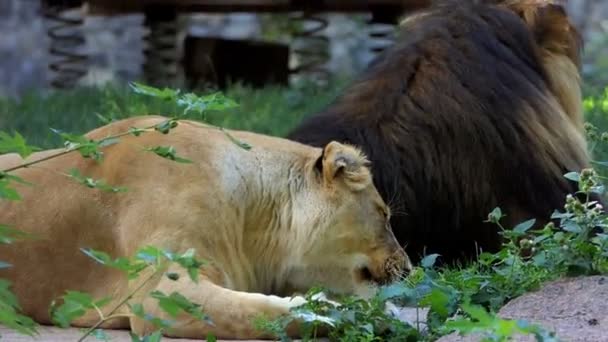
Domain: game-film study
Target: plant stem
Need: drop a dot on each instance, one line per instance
(59, 154)
(110, 314)
(25, 165)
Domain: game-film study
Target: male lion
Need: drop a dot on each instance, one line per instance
(271, 221)
(477, 105)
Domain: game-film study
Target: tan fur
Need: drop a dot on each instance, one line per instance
(271, 221)
(559, 46)
(10, 160)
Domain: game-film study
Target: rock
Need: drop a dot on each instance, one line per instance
(576, 309)
(416, 317)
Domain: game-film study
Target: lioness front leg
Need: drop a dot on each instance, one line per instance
(231, 312)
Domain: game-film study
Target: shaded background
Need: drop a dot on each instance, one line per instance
(114, 44)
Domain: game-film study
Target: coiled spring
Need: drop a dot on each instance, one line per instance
(162, 58)
(381, 36)
(310, 47)
(68, 63)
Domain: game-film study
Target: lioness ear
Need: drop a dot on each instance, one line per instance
(345, 163)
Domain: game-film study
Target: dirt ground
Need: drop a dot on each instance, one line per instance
(53, 334)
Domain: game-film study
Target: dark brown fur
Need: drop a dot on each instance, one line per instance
(472, 108)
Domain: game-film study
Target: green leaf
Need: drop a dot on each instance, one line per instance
(75, 305)
(16, 144)
(429, 260)
(211, 338)
(7, 192)
(218, 101)
(175, 303)
(394, 291)
(167, 152)
(239, 143)
(82, 298)
(190, 263)
(108, 141)
(167, 304)
(573, 176)
(150, 255)
(166, 94)
(9, 235)
(540, 259)
(136, 131)
(311, 317)
(138, 310)
(438, 300)
(87, 148)
(101, 335)
(13, 178)
(571, 226)
(202, 104)
(132, 268)
(94, 183)
(166, 126)
(477, 313)
(154, 337)
(10, 315)
(104, 119)
(524, 226)
(153, 255)
(495, 216)
(601, 163)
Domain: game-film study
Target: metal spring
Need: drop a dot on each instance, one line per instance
(310, 47)
(380, 35)
(161, 65)
(68, 65)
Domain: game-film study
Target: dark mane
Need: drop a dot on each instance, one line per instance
(457, 118)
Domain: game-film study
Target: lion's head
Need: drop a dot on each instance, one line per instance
(348, 240)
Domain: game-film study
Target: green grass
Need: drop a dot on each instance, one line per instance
(272, 110)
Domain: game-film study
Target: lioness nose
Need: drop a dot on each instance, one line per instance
(398, 265)
(395, 267)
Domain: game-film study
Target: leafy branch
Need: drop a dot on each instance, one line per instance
(193, 103)
(76, 304)
(90, 148)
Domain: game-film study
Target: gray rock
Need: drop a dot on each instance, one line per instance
(576, 309)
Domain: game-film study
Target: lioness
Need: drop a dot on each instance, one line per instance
(271, 221)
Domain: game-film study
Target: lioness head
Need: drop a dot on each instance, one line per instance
(349, 244)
